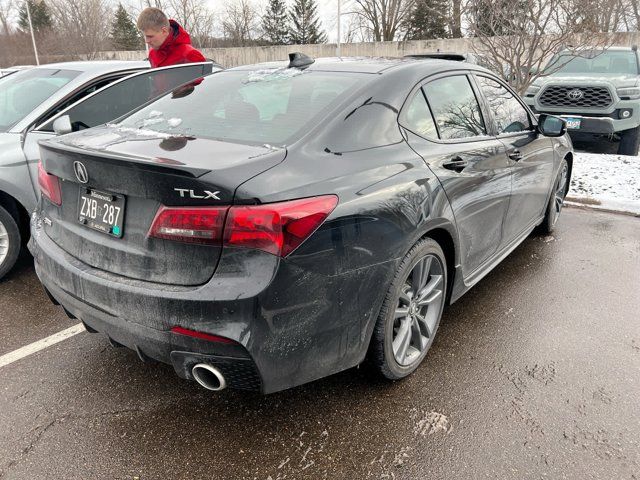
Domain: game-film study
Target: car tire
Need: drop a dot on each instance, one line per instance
(10, 242)
(629, 142)
(556, 199)
(411, 311)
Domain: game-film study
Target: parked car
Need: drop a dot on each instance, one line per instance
(597, 92)
(282, 222)
(9, 70)
(83, 93)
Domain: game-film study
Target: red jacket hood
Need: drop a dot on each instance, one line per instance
(176, 49)
(177, 36)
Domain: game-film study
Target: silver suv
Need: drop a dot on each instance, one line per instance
(596, 91)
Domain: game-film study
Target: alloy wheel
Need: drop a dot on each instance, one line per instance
(4, 243)
(418, 310)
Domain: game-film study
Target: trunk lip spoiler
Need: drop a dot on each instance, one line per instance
(152, 163)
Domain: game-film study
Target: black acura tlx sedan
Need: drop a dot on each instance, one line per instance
(277, 223)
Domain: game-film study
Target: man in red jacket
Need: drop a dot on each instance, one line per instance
(169, 43)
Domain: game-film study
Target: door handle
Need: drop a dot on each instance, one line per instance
(515, 155)
(457, 164)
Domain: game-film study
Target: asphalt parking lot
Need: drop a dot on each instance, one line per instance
(535, 373)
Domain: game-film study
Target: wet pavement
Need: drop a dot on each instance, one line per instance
(535, 373)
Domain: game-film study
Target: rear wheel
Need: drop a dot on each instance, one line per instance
(9, 241)
(556, 200)
(411, 311)
(629, 142)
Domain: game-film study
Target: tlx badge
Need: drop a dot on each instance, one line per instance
(186, 192)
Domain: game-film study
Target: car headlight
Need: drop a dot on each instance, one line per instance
(631, 93)
(532, 90)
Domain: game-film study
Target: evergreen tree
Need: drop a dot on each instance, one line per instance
(305, 25)
(40, 16)
(275, 24)
(428, 20)
(124, 34)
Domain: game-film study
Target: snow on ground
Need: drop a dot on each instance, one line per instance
(605, 181)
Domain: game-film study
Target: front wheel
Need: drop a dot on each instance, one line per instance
(556, 200)
(10, 242)
(629, 142)
(411, 311)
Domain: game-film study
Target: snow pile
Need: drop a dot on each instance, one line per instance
(610, 182)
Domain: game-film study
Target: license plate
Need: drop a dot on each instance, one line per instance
(572, 123)
(101, 211)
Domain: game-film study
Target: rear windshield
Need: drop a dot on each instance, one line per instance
(22, 92)
(272, 107)
(595, 61)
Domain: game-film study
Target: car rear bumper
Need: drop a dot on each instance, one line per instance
(289, 326)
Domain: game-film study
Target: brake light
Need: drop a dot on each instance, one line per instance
(277, 228)
(49, 185)
(192, 225)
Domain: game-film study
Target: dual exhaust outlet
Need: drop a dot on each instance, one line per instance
(209, 377)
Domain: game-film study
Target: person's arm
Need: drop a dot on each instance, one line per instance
(194, 55)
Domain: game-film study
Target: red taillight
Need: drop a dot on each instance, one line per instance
(49, 185)
(277, 228)
(192, 225)
(201, 335)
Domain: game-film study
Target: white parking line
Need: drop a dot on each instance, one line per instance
(40, 345)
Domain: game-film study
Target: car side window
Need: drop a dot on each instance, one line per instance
(455, 107)
(94, 87)
(509, 114)
(417, 117)
(119, 99)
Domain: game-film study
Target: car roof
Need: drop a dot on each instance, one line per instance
(97, 66)
(376, 65)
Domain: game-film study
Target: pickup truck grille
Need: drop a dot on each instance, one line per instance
(575, 97)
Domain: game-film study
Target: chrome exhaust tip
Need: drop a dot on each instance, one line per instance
(209, 377)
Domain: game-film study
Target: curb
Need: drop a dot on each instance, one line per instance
(576, 203)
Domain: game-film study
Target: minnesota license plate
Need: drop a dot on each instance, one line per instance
(101, 211)
(572, 123)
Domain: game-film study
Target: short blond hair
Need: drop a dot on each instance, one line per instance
(153, 18)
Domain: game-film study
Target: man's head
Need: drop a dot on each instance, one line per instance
(154, 25)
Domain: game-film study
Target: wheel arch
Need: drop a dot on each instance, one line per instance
(569, 158)
(17, 211)
(444, 239)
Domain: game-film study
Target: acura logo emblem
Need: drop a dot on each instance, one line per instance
(575, 94)
(81, 172)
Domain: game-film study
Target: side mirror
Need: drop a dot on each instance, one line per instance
(62, 125)
(551, 126)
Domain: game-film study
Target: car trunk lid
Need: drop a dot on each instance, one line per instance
(140, 173)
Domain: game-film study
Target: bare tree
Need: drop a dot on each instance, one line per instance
(597, 16)
(357, 30)
(7, 10)
(455, 22)
(241, 23)
(82, 26)
(517, 37)
(138, 5)
(384, 20)
(195, 17)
